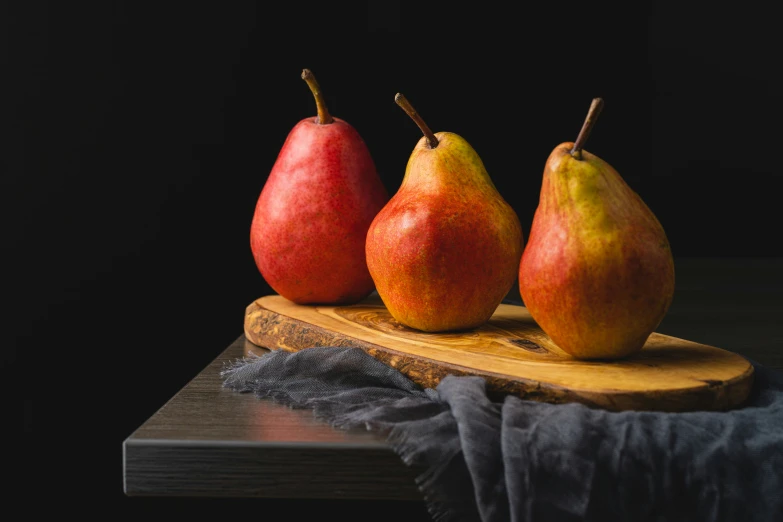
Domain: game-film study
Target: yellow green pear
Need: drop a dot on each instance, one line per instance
(597, 274)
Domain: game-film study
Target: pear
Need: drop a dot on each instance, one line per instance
(597, 274)
(310, 222)
(445, 250)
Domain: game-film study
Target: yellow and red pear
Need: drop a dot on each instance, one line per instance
(445, 249)
(597, 274)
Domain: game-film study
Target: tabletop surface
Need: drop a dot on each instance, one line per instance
(209, 441)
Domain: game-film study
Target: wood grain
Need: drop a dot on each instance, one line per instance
(208, 441)
(514, 356)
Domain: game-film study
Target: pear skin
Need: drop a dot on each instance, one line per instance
(311, 218)
(445, 250)
(597, 274)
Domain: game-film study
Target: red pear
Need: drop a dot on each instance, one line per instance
(597, 274)
(311, 219)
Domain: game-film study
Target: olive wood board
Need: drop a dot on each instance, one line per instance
(514, 356)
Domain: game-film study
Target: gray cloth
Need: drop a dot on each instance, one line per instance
(522, 460)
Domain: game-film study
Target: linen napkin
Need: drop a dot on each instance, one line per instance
(520, 460)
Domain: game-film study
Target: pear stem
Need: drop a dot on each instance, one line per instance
(403, 102)
(323, 113)
(587, 127)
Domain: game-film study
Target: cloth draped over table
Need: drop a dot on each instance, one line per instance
(520, 460)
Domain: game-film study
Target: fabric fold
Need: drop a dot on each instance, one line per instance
(530, 461)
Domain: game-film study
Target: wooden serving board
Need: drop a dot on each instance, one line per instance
(514, 356)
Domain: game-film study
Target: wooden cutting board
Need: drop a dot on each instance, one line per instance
(514, 356)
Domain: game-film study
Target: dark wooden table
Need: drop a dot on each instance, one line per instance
(210, 442)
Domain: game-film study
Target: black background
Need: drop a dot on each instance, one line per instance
(137, 137)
